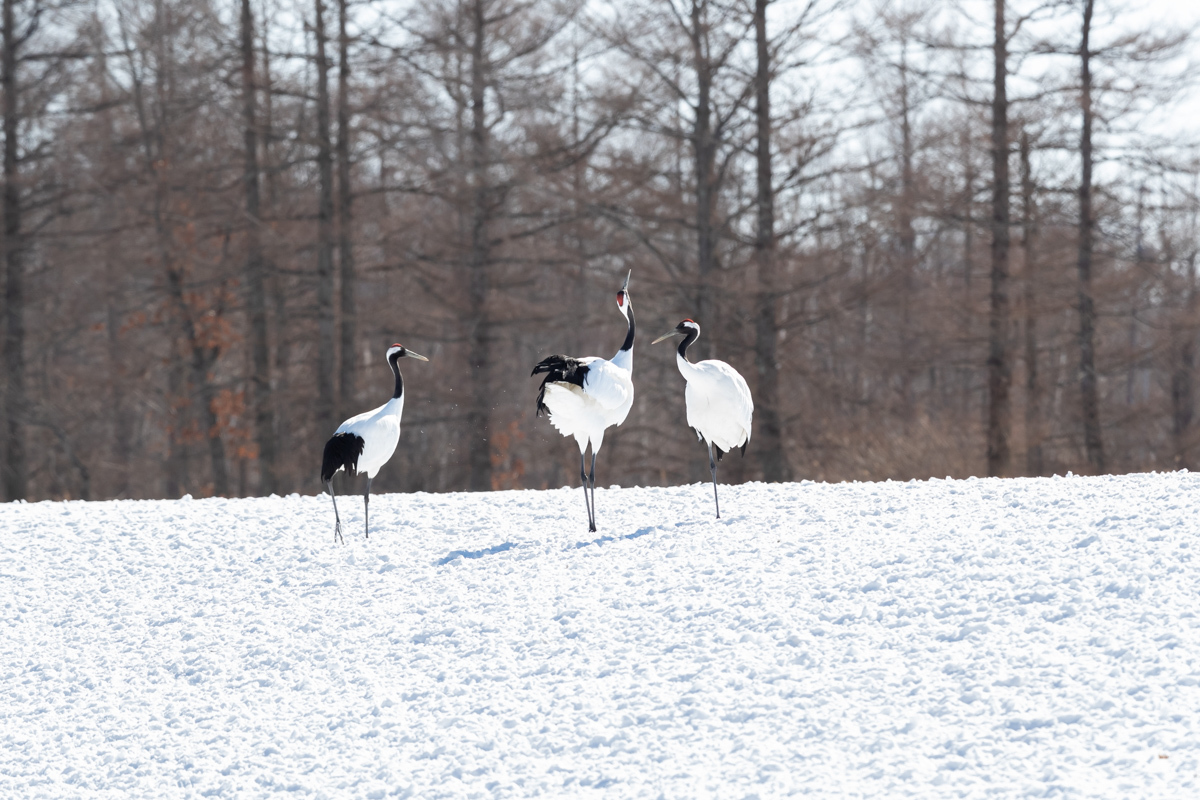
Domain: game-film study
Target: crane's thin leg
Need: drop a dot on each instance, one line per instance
(593, 482)
(367, 508)
(584, 480)
(337, 525)
(712, 465)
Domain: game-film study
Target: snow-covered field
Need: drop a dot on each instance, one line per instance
(980, 638)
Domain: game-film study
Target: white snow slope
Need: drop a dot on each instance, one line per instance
(941, 639)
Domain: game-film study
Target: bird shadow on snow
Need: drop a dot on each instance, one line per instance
(606, 539)
(487, 551)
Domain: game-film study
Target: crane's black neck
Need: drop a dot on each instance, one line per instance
(394, 361)
(628, 345)
(692, 336)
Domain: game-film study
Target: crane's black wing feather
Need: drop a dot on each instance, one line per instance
(558, 369)
(341, 452)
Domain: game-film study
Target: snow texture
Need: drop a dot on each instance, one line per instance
(940, 639)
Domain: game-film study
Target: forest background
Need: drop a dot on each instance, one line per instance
(937, 238)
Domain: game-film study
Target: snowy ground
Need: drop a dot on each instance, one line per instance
(981, 638)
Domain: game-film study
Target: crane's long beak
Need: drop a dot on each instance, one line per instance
(666, 336)
(411, 354)
(625, 285)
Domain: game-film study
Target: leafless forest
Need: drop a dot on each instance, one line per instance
(938, 238)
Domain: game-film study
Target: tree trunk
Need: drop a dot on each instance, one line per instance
(1034, 428)
(999, 370)
(122, 429)
(705, 165)
(1183, 402)
(175, 480)
(479, 337)
(256, 297)
(967, 318)
(204, 358)
(349, 332)
(14, 466)
(122, 423)
(277, 282)
(284, 477)
(908, 237)
(769, 444)
(326, 356)
(1088, 390)
(268, 122)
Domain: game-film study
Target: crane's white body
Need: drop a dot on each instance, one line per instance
(380, 431)
(719, 406)
(605, 398)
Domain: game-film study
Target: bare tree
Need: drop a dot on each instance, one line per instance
(684, 58)
(15, 402)
(1034, 425)
(708, 57)
(1088, 390)
(326, 343)
(1183, 399)
(482, 207)
(766, 331)
(345, 220)
(256, 298)
(999, 369)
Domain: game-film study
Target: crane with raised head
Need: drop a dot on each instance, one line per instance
(583, 397)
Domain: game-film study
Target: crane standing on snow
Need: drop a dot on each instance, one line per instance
(363, 444)
(719, 405)
(584, 396)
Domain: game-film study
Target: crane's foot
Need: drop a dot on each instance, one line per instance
(337, 533)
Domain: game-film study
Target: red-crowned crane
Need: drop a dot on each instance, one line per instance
(719, 405)
(363, 444)
(584, 396)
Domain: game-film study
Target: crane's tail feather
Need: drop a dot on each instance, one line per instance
(558, 369)
(341, 452)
